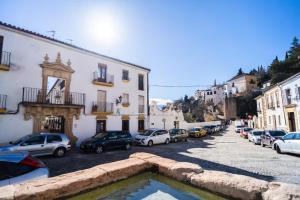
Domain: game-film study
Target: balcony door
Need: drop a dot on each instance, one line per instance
(102, 73)
(101, 100)
(292, 123)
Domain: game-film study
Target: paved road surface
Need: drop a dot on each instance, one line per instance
(224, 151)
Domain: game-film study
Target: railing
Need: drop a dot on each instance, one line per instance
(141, 108)
(42, 96)
(5, 58)
(103, 107)
(3, 99)
(107, 79)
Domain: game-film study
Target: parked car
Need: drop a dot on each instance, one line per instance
(197, 132)
(178, 135)
(18, 167)
(269, 136)
(289, 143)
(107, 140)
(254, 136)
(244, 132)
(238, 128)
(153, 136)
(40, 144)
(209, 128)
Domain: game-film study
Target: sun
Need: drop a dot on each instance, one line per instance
(103, 28)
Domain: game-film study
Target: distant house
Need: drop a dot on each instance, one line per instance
(240, 84)
(214, 94)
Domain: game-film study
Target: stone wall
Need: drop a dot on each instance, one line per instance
(226, 184)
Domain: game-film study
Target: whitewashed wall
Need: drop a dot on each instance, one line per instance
(27, 52)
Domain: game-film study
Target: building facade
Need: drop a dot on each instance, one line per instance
(49, 85)
(290, 89)
(273, 106)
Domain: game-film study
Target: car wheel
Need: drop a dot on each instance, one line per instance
(60, 152)
(127, 146)
(175, 140)
(167, 141)
(278, 150)
(262, 144)
(99, 150)
(150, 143)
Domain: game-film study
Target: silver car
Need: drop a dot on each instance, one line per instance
(254, 136)
(18, 167)
(40, 144)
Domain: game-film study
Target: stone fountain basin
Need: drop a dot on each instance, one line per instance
(223, 183)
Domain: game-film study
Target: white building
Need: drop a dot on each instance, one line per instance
(214, 94)
(49, 85)
(290, 89)
(167, 118)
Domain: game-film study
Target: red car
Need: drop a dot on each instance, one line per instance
(244, 132)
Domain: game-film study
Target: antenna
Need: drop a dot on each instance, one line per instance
(53, 33)
(70, 41)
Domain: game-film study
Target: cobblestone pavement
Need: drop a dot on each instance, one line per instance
(225, 151)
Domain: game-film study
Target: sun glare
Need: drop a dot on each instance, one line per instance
(103, 28)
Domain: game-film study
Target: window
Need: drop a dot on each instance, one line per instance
(288, 96)
(100, 126)
(53, 138)
(35, 140)
(141, 125)
(232, 84)
(141, 82)
(125, 75)
(215, 92)
(297, 136)
(125, 125)
(125, 99)
(102, 72)
(279, 120)
(141, 104)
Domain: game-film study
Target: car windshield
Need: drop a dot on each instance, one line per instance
(239, 126)
(248, 129)
(174, 131)
(147, 132)
(20, 140)
(257, 132)
(277, 133)
(195, 129)
(100, 135)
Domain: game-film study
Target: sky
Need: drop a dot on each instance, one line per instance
(183, 42)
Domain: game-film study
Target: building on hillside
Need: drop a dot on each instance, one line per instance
(240, 84)
(49, 85)
(290, 89)
(214, 94)
(166, 118)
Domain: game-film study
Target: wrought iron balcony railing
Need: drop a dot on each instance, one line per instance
(3, 99)
(5, 60)
(103, 80)
(103, 107)
(42, 96)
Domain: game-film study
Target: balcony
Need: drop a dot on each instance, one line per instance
(52, 97)
(141, 109)
(108, 80)
(125, 103)
(3, 99)
(5, 61)
(102, 108)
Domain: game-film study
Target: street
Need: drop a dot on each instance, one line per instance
(225, 151)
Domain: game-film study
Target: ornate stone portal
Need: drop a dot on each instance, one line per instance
(38, 111)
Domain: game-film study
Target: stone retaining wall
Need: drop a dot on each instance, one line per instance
(231, 185)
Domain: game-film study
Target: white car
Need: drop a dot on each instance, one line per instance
(153, 136)
(289, 143)
(238, 128)
(254, 136)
